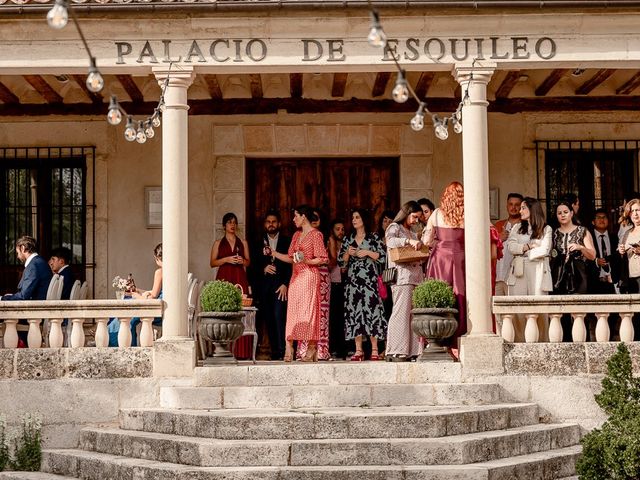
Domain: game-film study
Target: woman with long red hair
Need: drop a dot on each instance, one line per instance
(444, 234)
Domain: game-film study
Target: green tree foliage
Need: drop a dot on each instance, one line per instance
(613, 451)
(433, 294)
(220, 296)
(4, 444)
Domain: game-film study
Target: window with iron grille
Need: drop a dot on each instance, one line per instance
(44, 194)
(601, 173)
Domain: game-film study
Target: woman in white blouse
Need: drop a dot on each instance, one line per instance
(530, 244)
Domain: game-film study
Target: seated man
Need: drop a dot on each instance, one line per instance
(59, 263)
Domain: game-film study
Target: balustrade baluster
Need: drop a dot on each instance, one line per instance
(124, 334)
(508, 332)
(555, 328)
(56, 338)
(10, 334)
(602, 328)
(626, 328)
(531, 330)
(579, 332)
(102, 334)
(34, 337)
(146, 332)
(77, 333)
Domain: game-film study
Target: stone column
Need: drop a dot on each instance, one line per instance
(481, 349)
(174, 353)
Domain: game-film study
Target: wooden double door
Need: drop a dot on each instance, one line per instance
(333, 185)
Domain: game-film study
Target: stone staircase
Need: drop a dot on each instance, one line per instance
(331, 421)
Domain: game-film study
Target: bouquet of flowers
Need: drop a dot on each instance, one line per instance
(120, 283)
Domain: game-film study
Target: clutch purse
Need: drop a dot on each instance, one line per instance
(389, 275)
(408, 254)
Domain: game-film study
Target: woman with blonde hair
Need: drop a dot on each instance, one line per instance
(444, 234)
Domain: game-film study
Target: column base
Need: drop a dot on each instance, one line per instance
(174, 357)
(482, 354)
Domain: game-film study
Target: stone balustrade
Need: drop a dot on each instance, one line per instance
(555, 306)
(78, 311)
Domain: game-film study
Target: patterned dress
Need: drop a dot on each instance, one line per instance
(363, 308)
(325, 301)
(303, 307)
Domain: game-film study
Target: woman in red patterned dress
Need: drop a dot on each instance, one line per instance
(306, 252)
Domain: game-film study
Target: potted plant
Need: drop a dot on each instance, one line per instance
(433, 317)
(221, 318)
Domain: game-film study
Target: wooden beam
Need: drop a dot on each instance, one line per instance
(339, 84)
(43, 88)
(422, 88)
(6, 95)
(380, 85)
(549, 82)
(213, 86)
(508, 83)
(630, 85)
(255, 83)
(272, 105)
(131, 88)
(600, 76)
(81, 80)
(295, 84)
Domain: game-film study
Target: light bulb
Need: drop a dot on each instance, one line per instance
(400, 92)
(466, 101)
(140, 136)
(94, 82)
(114, 117)
(155, 121)
(457, 126)
(58, 16)
(148, 129)
(130, 130)
(376, 37)
(441, 130)
(417, 122)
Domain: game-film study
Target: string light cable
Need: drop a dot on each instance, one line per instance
(403, 89)
(140, 130)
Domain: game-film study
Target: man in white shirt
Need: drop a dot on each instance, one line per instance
(504, 228)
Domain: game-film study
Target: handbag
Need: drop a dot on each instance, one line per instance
(382, 288)
(390, 275)
(566, 281)
(408, 254)
(518, 266)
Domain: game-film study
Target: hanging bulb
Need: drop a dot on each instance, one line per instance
(400, 92)
(148, 129)
(466, 101)
(140, 136)
(114, 117)
(417, 122)
(155, 120)
(58, 16)
(376, 37)
(457, 126)
(94, 82)
(440, 128)
(130, 130)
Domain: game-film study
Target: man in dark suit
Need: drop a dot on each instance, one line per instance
(271, 281)
(60, 262)
(605, 270)
(36, 276)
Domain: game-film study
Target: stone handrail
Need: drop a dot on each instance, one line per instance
(578, 306)
(77, 311)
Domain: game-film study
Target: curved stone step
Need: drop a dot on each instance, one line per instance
(548, 465)
(306, 396)
(452, 450)
(349, 422)
(32, 476)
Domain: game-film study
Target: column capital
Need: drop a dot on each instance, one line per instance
(480, 73)
(179, 76)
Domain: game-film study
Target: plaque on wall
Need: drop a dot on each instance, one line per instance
(153, 206)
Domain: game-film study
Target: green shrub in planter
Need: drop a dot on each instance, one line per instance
(433, 294)
(220, 296)
(613, 451)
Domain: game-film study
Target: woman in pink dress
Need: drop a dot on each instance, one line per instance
(444, 233)
(307, 253)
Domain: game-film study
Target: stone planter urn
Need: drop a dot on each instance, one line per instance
(221, 329)
(434, 325)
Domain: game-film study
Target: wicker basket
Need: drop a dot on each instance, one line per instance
(246, 300)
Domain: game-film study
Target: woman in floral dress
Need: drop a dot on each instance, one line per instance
(363, 255)
(306, 252)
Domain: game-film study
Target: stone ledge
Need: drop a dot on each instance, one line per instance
(88, 363)
(563, 359)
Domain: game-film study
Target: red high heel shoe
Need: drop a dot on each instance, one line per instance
(358, 356)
